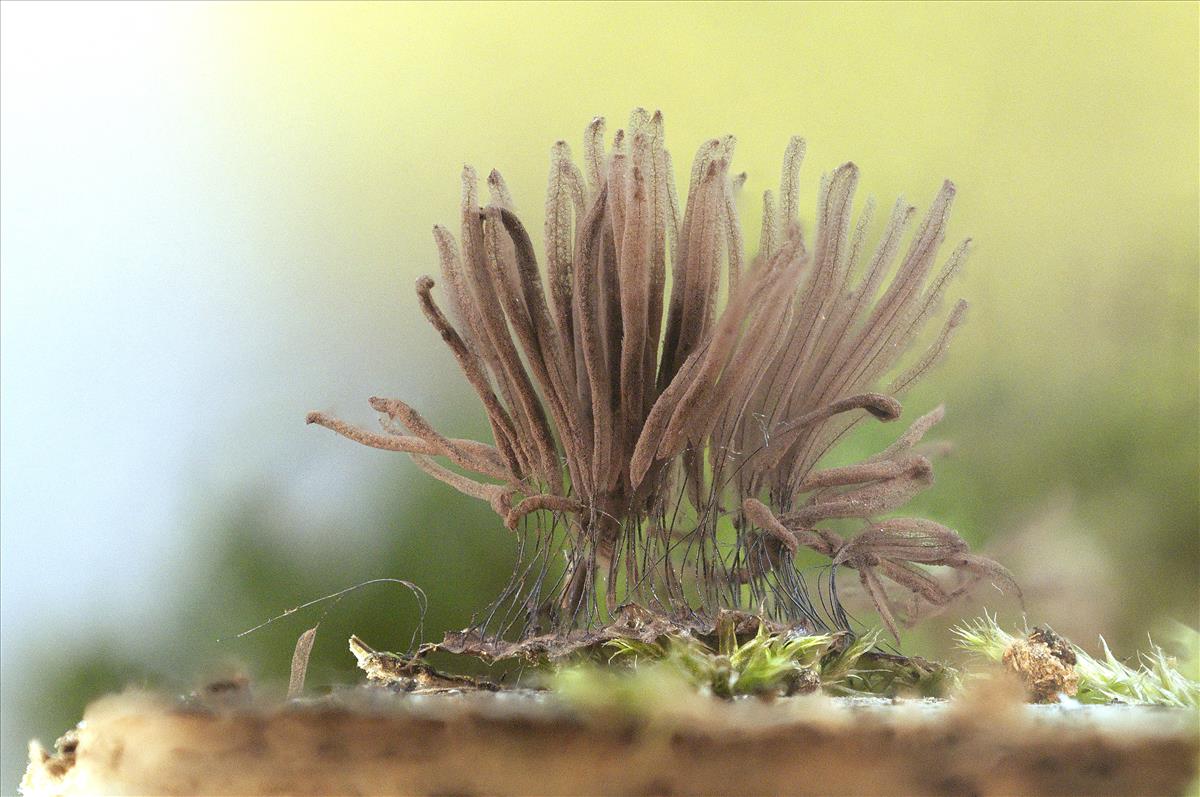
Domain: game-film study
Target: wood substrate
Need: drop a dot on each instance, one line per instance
(373, 741)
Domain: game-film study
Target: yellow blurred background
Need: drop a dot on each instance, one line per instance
(213, 215)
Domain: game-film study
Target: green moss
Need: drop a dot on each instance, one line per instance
(1154, 679)
(768, 664)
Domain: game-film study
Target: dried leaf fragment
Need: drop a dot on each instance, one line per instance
(300, 656)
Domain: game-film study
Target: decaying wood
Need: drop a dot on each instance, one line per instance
(377, 741)
(409, 673)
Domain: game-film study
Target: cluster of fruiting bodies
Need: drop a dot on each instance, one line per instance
(663, 431)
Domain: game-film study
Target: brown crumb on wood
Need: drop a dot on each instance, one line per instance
(1046, 663)
(47, 769)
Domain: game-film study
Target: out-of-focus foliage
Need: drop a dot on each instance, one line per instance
(460, 560)
(1073, 392)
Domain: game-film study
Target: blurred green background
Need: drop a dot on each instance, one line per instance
(213, 216)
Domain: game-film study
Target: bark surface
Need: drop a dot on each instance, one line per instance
(374, 741)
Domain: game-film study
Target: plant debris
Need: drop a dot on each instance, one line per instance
(630, 622)
(740, 654)
(410, 674)
(300, 655)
